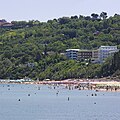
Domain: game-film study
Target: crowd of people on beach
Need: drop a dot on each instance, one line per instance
(97, 85)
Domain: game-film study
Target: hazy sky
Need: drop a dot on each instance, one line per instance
(44, 10)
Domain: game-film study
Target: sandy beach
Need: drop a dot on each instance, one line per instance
(80, 84)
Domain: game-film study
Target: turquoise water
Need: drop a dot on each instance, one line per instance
(27, 102)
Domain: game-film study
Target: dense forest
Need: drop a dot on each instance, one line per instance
(36, 49)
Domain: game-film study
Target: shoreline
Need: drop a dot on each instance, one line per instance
(98, 85)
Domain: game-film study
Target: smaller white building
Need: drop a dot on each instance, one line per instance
(72, 53)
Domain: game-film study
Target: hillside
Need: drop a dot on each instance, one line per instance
(35, 49)
(112, 66)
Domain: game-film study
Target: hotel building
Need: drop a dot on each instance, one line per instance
(72, 53)
(96, 56)
(105, 52)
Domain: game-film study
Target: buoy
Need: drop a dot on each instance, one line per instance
(19, 100)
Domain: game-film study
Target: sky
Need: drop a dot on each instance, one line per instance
(44, 10)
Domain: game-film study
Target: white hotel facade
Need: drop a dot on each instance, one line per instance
(98, 55)
(106, 51)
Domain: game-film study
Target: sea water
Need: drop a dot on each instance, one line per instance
(45, 102)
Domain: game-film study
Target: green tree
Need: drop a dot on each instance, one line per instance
(103, 15)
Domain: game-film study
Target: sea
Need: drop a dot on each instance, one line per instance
(47, 102)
